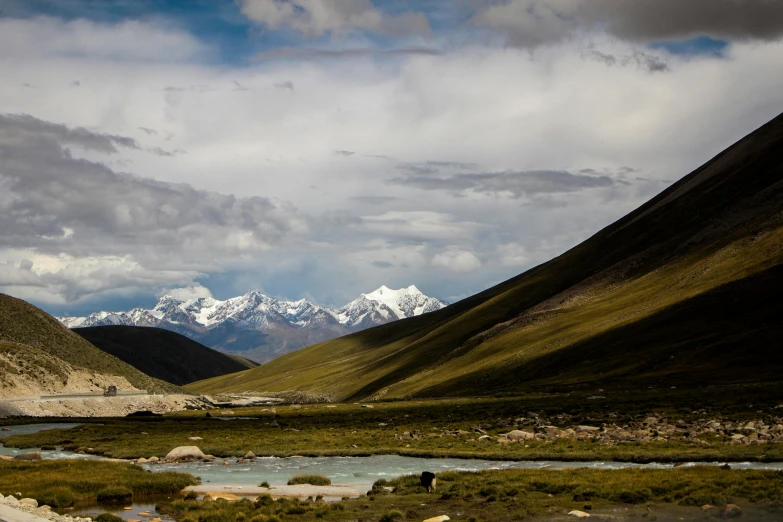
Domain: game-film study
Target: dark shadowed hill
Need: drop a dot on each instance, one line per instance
(683, 291)
(163, 354)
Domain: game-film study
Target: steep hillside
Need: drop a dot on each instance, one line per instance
(682, 291)
(57, 349)
(162, 354)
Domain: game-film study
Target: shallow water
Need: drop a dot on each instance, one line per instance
(35, 428)
(358, 472)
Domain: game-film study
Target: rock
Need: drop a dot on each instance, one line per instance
(29, 502)
(274, 424)
(707, 507)
(587, 428)
(439, 518)
(578, 514)
(11, 501)
(184, 453)
(5, 429)
(141, 461)
(195, 438)
(127, 508)
(30, 455)
(250, 455)
(651, 421)
(214, 495)
(6, 457)
(367, 406)
(155, 519)
(153, 459)
(520, 435)
(330, 406)
(484, 438)
(730, 511)
(144, 513)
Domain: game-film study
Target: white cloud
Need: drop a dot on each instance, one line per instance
(194, 291)
(317, 17)
(458, 261)
(479, 108)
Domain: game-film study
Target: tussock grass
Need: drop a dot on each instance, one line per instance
(67, 481)
(520, 494)
(312, 479)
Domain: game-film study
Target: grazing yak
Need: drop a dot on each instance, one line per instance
(428, 481)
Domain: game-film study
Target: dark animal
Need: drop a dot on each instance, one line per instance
(428, 481)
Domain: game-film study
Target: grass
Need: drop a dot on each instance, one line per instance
(60, 483)
(521, 494)
(679, 291)
(349, 429)
(23, 324)
(313, 480)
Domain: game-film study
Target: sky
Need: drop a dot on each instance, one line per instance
(322, 148)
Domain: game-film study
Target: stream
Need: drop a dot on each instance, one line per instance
(359, 472)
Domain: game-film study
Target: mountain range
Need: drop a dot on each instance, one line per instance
(260, 327)
(684, 291)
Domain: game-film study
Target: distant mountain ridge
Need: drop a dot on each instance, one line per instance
(260, 327)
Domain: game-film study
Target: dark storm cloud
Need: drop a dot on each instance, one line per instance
(517, 183)
(529, 23)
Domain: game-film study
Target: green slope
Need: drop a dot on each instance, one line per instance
(23, 324)
(162, 354)
(681, 291)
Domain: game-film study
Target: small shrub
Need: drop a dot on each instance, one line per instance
(57, 497)
(380, 483)
(265, 484)
(108, 517)
(264, 500)
(391, 516)
(115, 495)
(313, 480)
(191, 495)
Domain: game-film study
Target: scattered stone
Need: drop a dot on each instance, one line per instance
(439, 518)
(29, 502)
(30, 455)
(195, 438)
(520, 435)
(730, 511)
(367, 406)
(578, 514)
(185, 453)
(331, 406)
(153, 459)
(215, 495)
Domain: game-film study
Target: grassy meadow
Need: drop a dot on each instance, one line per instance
(446, 427)
(61, 483)
(523, 494)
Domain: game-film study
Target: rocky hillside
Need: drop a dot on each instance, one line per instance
(162, 354)
(683, 291)
(260, 327)
(38, 355)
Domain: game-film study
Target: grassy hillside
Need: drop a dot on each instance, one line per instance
(23, 324)
(162, 354)
(679, 292)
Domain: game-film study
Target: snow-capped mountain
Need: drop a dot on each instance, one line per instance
(262, 327)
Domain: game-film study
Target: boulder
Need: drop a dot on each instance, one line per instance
(185, 453)
(484, 438)
(6, 457)
(141, 461)
(153, 459)
(578, 514)
(520, 435)
(11, 501)
(250, 455)
(30, 455)
(29, 502)
(439, 518)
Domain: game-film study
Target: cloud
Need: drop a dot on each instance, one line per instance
(382, 264)
(316, 54)
(195, 291)
(148, 131)
(16, 125)
(640, 59)
(458, 261)
(319, 17)
(101, 228)
(514, 183)
(374, 200)
(344, 152)
(284, 85)
(531, 23)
